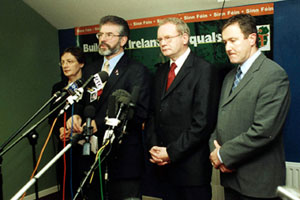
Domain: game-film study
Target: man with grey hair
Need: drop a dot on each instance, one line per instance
(183, 116)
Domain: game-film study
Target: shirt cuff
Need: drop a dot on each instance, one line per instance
(218, 152)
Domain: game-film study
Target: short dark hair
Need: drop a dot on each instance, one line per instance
(76, 52)
(246, 22)
(124, 31)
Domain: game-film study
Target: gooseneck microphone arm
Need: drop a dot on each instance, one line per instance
(2, 151)
(57, 94)
(31, 129)
(103, 76)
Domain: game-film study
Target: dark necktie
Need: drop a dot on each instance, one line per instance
(171, 75)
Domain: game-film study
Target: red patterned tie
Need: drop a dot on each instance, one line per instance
(171, 75)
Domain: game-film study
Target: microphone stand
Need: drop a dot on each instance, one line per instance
(74, 141)
(15, 134)
(30, 129)
(33, 137)
(92, 168)
(85, 178)
(109, 139)
(110, 136)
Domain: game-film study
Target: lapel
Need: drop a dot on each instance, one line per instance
(243, 83)
(185, 69)
(115, 75)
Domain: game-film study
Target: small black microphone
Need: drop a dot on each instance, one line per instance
(117, 109)
(103, 76)
(69, 89)
(72, 87)
(89, 113)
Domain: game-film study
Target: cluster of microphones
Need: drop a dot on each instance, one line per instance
(120, 108)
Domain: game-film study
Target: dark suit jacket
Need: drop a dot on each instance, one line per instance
(125, 160)
(249, 129)
(183, 120)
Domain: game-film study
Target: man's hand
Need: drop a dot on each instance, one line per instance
(214, 159)
(224, 169)
(63, 136)
(159, 155)
(77, 128)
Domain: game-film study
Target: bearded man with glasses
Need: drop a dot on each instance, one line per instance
(125, 161)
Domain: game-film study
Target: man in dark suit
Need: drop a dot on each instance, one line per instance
(182, 118)
(125, 161)
(247, 144)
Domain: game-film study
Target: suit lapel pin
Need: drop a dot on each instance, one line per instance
(117, 72)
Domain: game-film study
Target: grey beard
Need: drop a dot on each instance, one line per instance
(109, 51)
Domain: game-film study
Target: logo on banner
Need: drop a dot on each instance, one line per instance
(264, 37)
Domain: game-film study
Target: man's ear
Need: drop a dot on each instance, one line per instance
(124, 40)
(252, 38)
(185, 37)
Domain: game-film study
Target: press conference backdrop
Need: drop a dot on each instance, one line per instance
(279, 36)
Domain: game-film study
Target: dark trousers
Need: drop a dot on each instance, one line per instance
(172, 192)
(234, 195)
(115, 190)
(73, 171)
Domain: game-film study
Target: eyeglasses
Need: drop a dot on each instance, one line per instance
(69, 62)
(168, 39)
(107, 35)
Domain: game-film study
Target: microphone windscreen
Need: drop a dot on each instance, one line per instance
(103, 75)
(122, 96)
(89, 111)
(124, 99)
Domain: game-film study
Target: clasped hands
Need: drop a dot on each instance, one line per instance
(214, 159)
(159, 155)
(77, 127)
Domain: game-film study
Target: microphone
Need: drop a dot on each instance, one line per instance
(69, 89)
(78, 93)
(117, 104)
(96, 90)
(72, 87)
(98, 78)
(134, 97)
(89, 113)
(120, 110)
